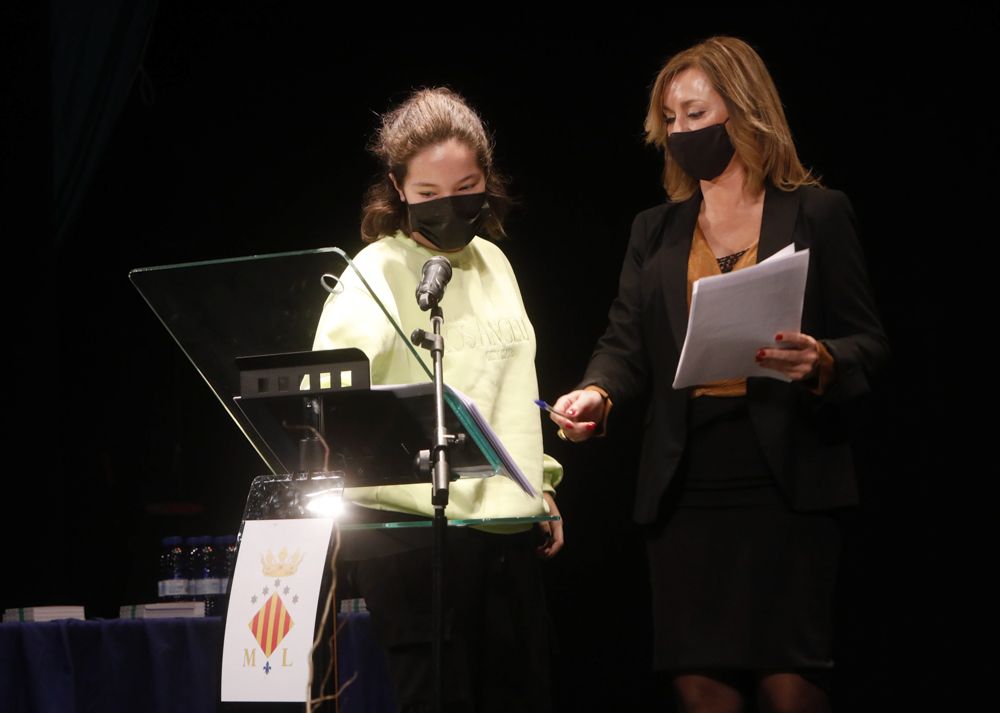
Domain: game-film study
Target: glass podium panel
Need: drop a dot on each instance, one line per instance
(247, 325)
(282, 497)
(222, 310)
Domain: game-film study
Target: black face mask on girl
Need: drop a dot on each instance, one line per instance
(451, 222)
(704, 153)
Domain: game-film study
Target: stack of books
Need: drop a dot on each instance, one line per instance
(51, 613)
(162, 610)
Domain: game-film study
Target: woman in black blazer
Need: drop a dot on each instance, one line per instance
(738, 478)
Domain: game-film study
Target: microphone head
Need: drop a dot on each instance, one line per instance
(435, 275)
(441, 262)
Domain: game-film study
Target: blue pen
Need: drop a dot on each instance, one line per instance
(545, 407)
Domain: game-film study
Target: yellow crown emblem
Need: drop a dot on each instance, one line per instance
(283, 566)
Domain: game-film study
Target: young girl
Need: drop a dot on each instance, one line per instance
(439, 194)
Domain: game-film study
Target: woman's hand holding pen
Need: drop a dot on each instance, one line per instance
(577, 414)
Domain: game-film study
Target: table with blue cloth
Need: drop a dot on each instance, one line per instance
(159, 666)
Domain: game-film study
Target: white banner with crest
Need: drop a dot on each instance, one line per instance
(272, 609)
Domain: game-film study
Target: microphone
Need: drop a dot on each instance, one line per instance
(435, 276)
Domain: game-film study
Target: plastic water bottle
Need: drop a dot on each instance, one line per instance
(193, 545)
(203, 572)
(211, 583)
(225, 557)
(173, 582)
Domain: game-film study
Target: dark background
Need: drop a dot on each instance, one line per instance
(231, 132)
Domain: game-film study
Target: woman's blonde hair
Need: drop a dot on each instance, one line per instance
(428, 117)
(757, 126)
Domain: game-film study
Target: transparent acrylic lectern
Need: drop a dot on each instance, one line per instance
(247, 325)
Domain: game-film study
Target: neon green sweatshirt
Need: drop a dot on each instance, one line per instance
(489, 355)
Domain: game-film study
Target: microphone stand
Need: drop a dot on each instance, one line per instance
(438, 460)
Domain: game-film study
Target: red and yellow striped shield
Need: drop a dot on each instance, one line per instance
(270, 624)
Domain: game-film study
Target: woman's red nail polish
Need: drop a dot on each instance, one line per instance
(760, 354)
(591, 426)
(569, 425)
(777, 338)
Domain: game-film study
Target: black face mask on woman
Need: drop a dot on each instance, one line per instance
(451, 222)
(704, 153)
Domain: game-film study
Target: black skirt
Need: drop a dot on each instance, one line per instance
(739, 580)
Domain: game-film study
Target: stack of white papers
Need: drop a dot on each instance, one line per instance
(734, 315)
(510, 466)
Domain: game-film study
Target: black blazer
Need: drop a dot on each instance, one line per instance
(802, 435)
